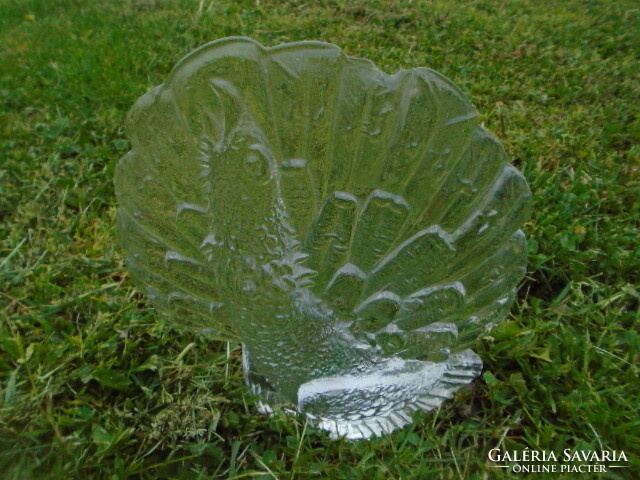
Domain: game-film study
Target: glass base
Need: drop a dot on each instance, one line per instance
(373, 402)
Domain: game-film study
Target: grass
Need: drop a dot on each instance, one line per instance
(93, 385)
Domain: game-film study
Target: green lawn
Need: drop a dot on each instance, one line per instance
(93, 385)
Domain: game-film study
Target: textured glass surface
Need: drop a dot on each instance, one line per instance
(355, 231)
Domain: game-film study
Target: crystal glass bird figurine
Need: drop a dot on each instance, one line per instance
(355, 231)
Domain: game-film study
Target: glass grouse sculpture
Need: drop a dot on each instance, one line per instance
(355, 231)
